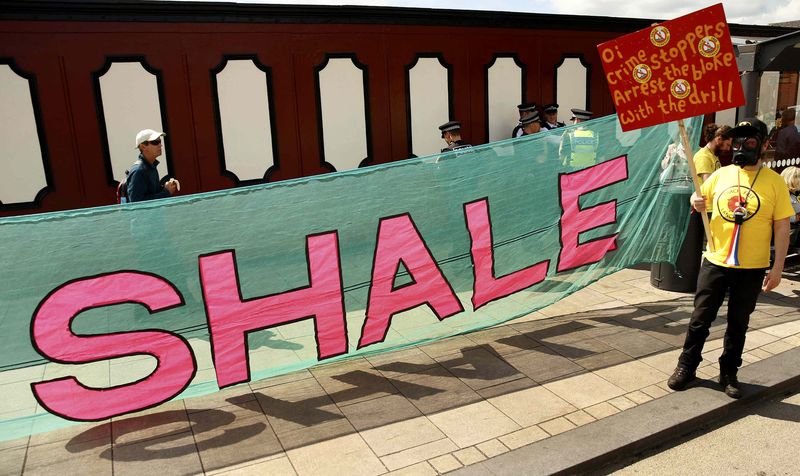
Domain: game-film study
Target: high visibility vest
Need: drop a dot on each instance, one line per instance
(583, 148)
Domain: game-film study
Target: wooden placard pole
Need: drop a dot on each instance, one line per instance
(687, 148)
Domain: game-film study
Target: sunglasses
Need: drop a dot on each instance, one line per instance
(745, 143)
(153, 142)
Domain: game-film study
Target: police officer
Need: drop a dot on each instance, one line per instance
(525, 109)
(451, 133)
(580, 115)
(530, 124)
(550, 120)
(579, 146)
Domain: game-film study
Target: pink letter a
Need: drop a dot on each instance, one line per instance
(400, 241)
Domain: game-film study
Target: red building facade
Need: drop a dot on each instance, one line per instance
(260, 93)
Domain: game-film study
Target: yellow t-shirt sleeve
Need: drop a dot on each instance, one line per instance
(704, 162)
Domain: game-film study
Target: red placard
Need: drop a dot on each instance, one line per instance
(673, 70)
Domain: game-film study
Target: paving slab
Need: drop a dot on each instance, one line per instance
(643, 426)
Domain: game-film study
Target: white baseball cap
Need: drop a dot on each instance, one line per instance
(146, 135)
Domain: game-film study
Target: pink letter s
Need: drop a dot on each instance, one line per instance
(54, 339)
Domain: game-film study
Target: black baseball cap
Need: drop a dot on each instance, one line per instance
(748, 128)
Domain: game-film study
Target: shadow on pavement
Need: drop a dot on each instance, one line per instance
(362, 393)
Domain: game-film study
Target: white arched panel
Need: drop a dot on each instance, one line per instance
(429, 97)
(504, 79)
(243, 94)
(343, 110)
(571, 87)
(22, 161)
(129, 94)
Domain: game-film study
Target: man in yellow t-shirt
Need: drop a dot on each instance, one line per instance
(706, 160)
(749, 204)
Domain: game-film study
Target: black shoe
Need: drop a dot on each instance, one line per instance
(730, 385)
(680, 378)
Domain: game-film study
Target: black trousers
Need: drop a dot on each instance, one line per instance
(742, 287)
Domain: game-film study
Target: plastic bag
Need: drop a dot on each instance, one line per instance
(676, 178)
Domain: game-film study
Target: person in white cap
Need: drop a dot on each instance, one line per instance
(142, 182)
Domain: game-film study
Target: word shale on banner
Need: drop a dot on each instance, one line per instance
(111, 310)
(230, 317)
(677, 69)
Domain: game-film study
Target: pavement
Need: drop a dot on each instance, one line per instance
(758, 441)
(566, 389)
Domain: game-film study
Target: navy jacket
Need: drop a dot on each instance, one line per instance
(143, 183)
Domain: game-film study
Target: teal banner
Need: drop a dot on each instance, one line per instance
(112, 310)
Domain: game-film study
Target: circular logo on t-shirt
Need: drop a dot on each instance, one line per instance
(659, 36)
(709, 46)
(730, 201)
